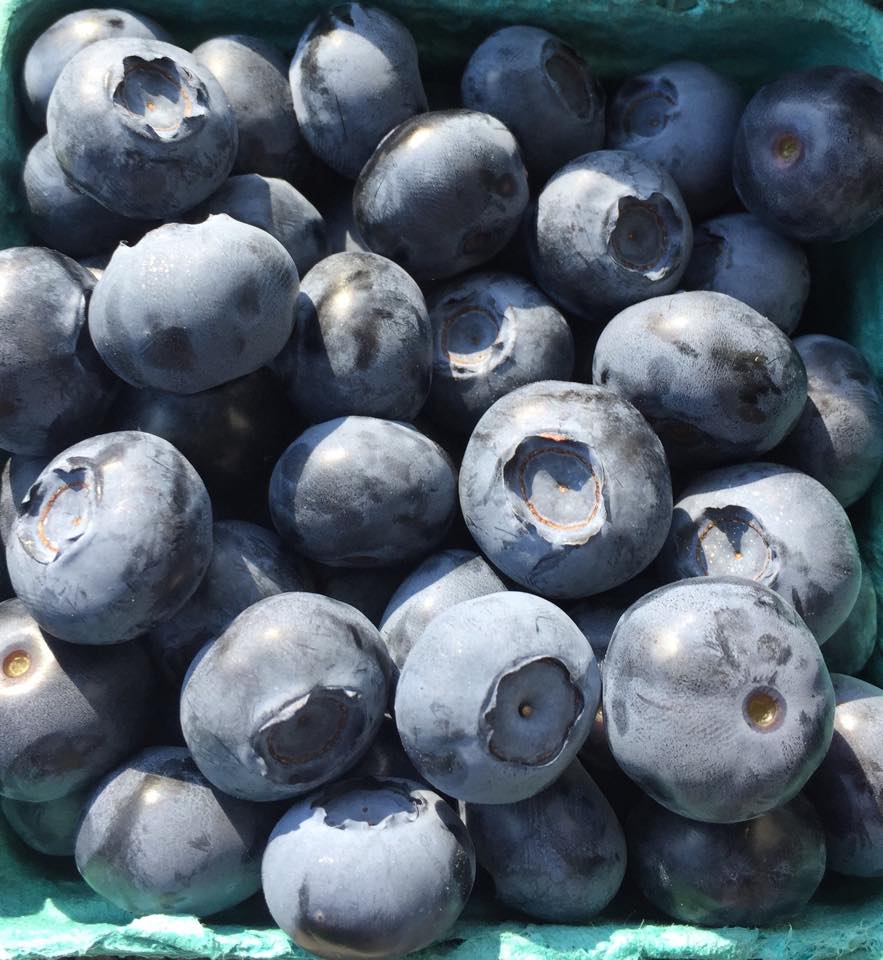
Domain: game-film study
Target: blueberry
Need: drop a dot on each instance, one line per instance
(442, 193)
(386, 756)
(190, 307)
(391, 837)
(18, 476)
(558, 856)
(717, 699)
(496, 697)
(520, 74)
(112, 538)
(721, 874)
(54, 389)
(68, 713)
(849, 648)
(254, 77)
(846, 788)
(683, 116)
(739, 255)
(774, 525)
(362, 342)
(63, 217)
(361, 492)
(610, 230)
(368, 589)
(565, 489)
(232, 434)
(141, 127)
(156, 837)
(717, 381)
(839, 436)
(57, 45)
(275, 206)
(248, 564)
(808, 153)
(440, 582)
(492, 332)
(259, 729)
(50, 827)
(354, 77)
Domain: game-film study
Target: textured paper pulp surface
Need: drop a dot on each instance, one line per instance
(45, 910)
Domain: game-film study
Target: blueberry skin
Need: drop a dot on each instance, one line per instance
(717, 699)
(809, 152)
(440, 582)
(682, 116)
(519, 74)
(111, 540)
(774, 525)
(368, 589)
(232, 434)
(492, 332)
(156, 837)
(720, 875)
(354, 77)
(69, 713)
(254, 77)
(248, 564)
(54, 389)
(49, 828)
(839, 436)
(847, 786)
(331, 847)
(609, 230)
(259, 730)
(443, 193)
(52, 50)
(849, 648)
(362, 342)
(192, 306)
(558, 856)
(739, 255)
(496, 697)
(63, 217)
(141, 127)
(717, 381)
(275, 206)
(361, 492)
(566, 489)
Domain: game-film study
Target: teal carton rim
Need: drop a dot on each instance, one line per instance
(45, 909)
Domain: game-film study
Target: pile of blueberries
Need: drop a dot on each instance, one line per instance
(404, 482)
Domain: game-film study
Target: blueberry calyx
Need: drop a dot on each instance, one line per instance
(161, 98)
(557, 485)
(368, 804)
(302, 734)
(646, 236)
(531, 712)
(57, 510)
(475, 340)
(733, 541)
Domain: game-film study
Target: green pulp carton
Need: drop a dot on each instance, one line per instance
(45, 910)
